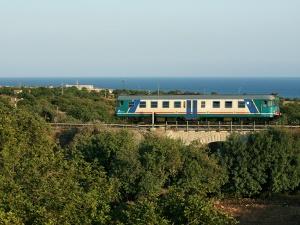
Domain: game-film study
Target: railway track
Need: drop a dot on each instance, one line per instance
(186, 127)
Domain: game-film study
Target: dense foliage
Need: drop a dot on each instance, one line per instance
(96, 176)
(262, 163)
(291, 112)
(153, 174)
(38, 185)
(64, 105)
(103, 177)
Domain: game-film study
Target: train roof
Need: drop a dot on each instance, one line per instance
(217, 96)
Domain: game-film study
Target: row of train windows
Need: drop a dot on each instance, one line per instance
(177, 104)
(228, 104)
(154, 104)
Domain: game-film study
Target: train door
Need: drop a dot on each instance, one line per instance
(195, 106)
(191, 109)
(188, 107)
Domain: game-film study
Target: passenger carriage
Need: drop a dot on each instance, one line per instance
(195, 107)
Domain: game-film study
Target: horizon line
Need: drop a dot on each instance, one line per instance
(132, 76)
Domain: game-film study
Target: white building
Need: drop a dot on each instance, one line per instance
(81, 86)
(88, 87)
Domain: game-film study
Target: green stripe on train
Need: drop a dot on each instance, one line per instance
(200, 115)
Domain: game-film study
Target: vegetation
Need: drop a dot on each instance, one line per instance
(291, 112)
(102, 177)
(73, 105)
(264, 163)
(117, 177)
(68, 105)
(38, 185)
(161, 181)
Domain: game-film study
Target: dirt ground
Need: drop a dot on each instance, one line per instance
(280, 210)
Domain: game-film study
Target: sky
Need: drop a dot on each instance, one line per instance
(170, 38)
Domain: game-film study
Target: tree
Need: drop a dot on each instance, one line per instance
(200, 172)
(291, 113)
(39, 185)
(116, 152)
(142, 212)
(199, 210)
(265, 162)
(182, 208)
(161, 159)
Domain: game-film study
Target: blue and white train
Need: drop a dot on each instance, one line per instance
(197, 107)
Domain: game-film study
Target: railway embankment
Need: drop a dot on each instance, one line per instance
(204, 134)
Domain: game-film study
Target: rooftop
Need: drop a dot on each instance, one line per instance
(217, 96)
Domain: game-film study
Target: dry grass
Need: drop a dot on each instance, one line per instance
(280, 210)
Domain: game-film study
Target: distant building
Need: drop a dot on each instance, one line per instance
(18, 92)
(110, 91)
(88, 87)
(81, 86)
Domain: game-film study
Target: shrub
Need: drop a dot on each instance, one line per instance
(181, 208)
(265, 162)
(116, 152)
(200, 173)
(38, 185)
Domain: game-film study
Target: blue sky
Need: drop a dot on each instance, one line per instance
(149, 38)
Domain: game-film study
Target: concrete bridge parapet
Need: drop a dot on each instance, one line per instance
(205, 137)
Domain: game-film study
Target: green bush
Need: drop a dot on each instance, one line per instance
(200, 173)
(149, 172)
(143, 212)
(265, 162)
(116, 152)
(181, 208)
(39, 185)
(291, 113)
(161, 159)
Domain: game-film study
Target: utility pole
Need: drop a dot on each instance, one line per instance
(153, 119)
(62, 89)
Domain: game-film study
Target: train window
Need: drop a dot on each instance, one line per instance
(270, 103)
(131, 104)
(142, 104)
(228, 104)
(154, 104)
(166, 104)
(265, 103)
(121, 103)
(177, 104)
(202, 104)
(241, 104)
(216, 104)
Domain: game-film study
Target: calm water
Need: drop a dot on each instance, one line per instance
(287, 87)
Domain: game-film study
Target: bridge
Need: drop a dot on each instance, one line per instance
(204, 132)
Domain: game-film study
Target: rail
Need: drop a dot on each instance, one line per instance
(186, 127)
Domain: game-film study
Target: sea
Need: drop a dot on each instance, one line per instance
(285, 87)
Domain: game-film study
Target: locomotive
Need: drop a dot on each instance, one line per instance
(198, 107)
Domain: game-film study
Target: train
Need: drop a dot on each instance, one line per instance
(198, 107)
